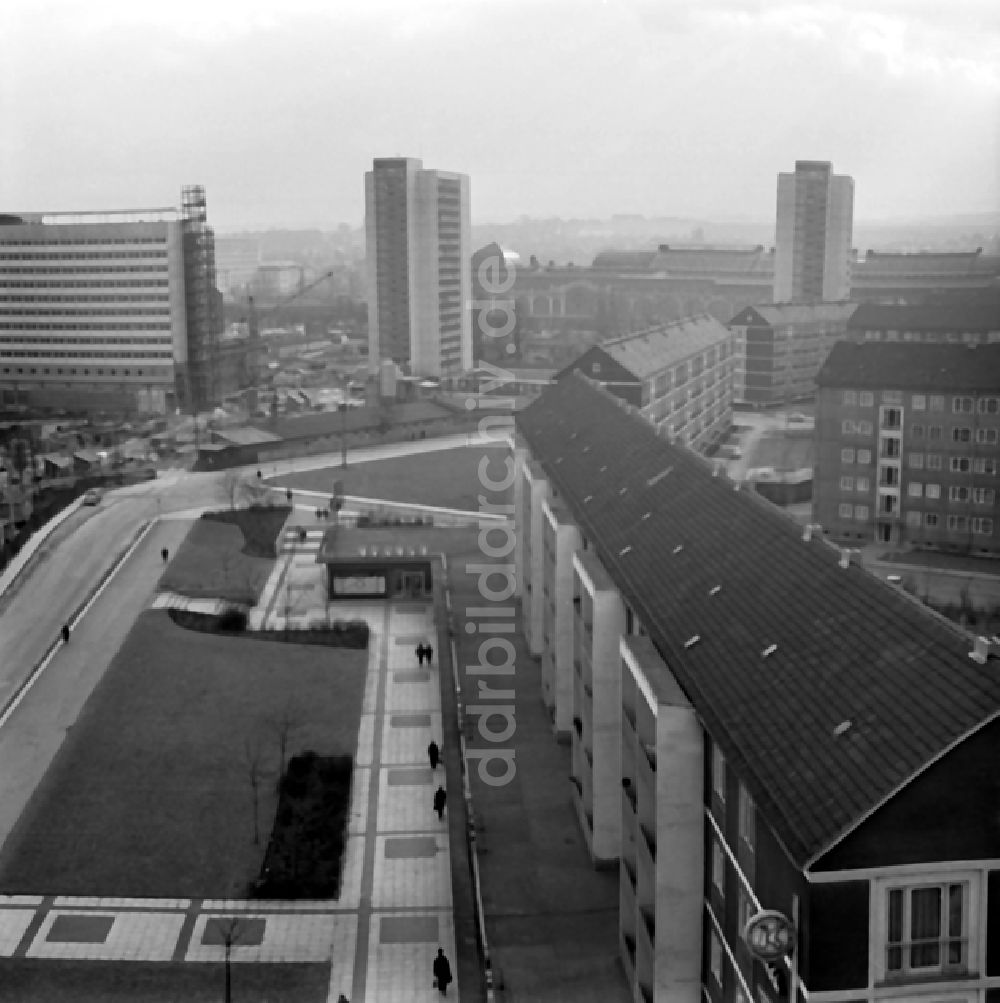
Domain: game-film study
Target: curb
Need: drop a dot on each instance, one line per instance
(23, 557)
(108, 574)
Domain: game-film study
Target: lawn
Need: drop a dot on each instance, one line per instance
(150, 794)
(448, 478)
(213, 562)
(29, 981)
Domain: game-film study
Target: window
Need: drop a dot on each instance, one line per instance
(917, 431)
(933, 461)
(892, 417)
(958, 523)
(845, 510)
(915, 489)
(934, 432)
(848, 428)
(982, 526)
(959, 494)
(847, 456)
(914, 520)
(986, 436)
(846, 483)
(718, 867)
(918, 402)
(988, 405)
(931, 520)
(984, 496)
(718, 773)
(716, 958)
(864, 456)
(867, 398)
(926, 929)
(936, 402)
(746, 817)
(850, 397)
(960, 465)
(864, 428)
(932, 490)
(862, 484)
(890, 447)
(961, 405)
(889, 477)
(915, 461)
(985, 465)
(860, 512)
(961, 435)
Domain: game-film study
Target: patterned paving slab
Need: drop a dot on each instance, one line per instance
(400, 956)
(14, 925)
(285, 938)
(134, 936)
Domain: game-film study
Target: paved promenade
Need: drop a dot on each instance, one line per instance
(380, 935)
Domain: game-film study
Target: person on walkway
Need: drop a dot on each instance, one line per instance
(65, 636)
(440, 797)
(420, 651)
(164, 554)
(428, 653)
(289, 495)
(434, 754)
(442, 973)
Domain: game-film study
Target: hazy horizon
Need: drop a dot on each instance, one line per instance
(581, 110)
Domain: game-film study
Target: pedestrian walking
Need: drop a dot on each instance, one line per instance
(440, 798)
(164, 554)
(419, 651)
(289, 495)
(442, 973)
(434, 754)
(428, 653)
(65, 637)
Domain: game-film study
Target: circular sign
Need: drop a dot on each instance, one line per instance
(769, 935)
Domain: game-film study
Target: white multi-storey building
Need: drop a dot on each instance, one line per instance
(418, 233)
(812, 258)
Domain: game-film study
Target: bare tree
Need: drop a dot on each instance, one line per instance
(252, 758)
(231, 931)
(283, 725)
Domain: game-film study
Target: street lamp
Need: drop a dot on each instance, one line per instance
(342, 408)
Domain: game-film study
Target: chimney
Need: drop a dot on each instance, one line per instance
(807, 533)
(981, 650)
(845, 558)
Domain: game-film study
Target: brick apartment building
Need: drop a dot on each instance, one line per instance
(907, 445)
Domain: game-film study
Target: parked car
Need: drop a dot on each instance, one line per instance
(92, 497)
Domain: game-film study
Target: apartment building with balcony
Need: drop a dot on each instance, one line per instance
(679, 375)
(778, 349)
(908, 446)
(758, 725)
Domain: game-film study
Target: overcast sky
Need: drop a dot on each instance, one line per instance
(577, 108)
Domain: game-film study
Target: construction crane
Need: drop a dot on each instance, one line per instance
(254, 351)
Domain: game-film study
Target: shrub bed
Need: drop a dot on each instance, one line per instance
(341, 634)
(306, 848)
(260, 525)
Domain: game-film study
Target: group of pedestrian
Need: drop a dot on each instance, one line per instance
(424, 651)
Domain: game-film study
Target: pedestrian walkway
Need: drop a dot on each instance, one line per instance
(394, 910)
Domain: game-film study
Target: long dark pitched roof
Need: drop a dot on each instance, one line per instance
(912, 366)
(958, 317)
(848, 647)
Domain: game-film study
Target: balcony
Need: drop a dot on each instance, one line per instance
(629, 714)
(628, 789)
(649, 919)
(650, 751)
(629, 868)
(650, 838)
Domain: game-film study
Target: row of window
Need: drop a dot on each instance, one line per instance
(85, 325)
(85, 372)
(80, 241)
(94, 340)
(81, 310)
(85, 283)
(956, 464)
(982, 436)
(47, 255)
(924, 402)
(75, 269)
(956, 493)
(86, 300)
(121, 353)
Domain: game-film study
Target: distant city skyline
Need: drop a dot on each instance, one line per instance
(579, 110)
